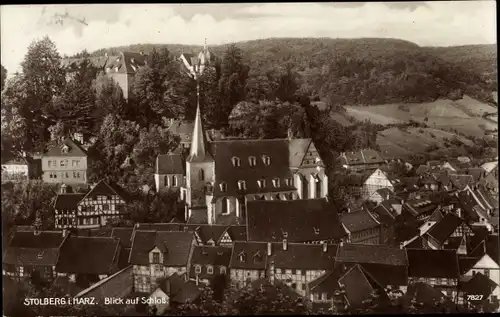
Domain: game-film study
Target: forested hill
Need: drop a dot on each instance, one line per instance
(366, 70)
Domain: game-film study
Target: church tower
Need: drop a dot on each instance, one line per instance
(204, 57)
(200, 172)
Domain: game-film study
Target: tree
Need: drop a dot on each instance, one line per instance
(210, 97)
(43, 79)
(21, 202)
(234, 74)
(109, 96)
(151, 91)
(269, 120)
(3, 76)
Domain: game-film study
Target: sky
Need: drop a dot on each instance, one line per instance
(433, 23)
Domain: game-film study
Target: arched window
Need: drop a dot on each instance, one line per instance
(202, 174)
(242, 185)
(174, 181)
(236, 161)
(252, 161)
(266, 159)
(166, 181)
(225, 206)
(223, 187)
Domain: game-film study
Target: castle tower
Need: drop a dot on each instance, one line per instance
(200, 171)
(204, 57)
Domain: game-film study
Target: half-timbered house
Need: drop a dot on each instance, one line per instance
(158, 254)
(248, 262)
(209, 262)
(94, 209)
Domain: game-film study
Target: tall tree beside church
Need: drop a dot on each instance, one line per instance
(109, 97)
(43, 80)
(210, 96)
(234, 73)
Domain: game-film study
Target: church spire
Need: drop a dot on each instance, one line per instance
(198, 151)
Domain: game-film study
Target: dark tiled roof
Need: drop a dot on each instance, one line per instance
(432, 263)
(479, 285)
(237, 233)
(125, 236)
(476, 172)
(210, 232)
(213, 255)
(105, 189)
(88, 255)
(420, 206)
(303, 256)
(170, 164)
(362, 157)
(177, 246)
(75, 149)
(467, 263)
(124, 62)
(417, 243)
(378, 274)
(276, 149)
(298, 149)
(249, 250)
(26, 248)
(357, 287)
(359, 220)
(294, 220)
(385, 193)
(163, 226)
(488, 245)
(453, 243)
(67, 201)
(443, 229)
(424, 293)
(188, 293)
(379, 254)
(461, 181)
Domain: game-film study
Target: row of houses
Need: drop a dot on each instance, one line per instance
(316, 271)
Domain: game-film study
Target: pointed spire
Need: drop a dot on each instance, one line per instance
(198, 151)
(205, 46)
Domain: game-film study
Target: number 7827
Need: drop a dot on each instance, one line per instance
(474, 297)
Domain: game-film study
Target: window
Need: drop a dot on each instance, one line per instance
(76, 174)
(197, 269)
(242, 185)
(289, 181)
(276, 182)
(323, 296)
(210, 269)
(236, 161)
(174, 181)
(298, 272)
(156, 257)
(105, 207)
(487, 273)
(166, 181)
(62, 163)
(222, 270)
(262, 183)
(288, 271)
(266, 160)
(278, 271)
(66, 175)
(202, 174)
(223, 187)
(252, 161)
(64, 149)
(242, 257)
(225, 206)
(75, 163)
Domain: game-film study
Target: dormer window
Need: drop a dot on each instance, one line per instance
(276, 182)
(156, 257)
(65, 149)
(316, 230)
(223, 187)
(285, 234)
(266, 160)
(242, 185)
(174, 181)
(201, 174)
(242, 257)
(289, 181)
(210, 269)
(40, 255)
(262, 183)
(236, 161)
(252, 161)
(257, 257)
(197, 269)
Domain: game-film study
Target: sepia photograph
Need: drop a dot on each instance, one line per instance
(305, 158)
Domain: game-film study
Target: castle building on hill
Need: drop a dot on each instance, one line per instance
(195, 65)
(218, 177)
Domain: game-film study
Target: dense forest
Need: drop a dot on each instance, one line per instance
(364, 71)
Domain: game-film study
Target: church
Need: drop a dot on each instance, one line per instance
(216, 178)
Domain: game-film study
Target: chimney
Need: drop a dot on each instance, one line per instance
(65, 233)
(285, 245)
(269, 248)
(64, 189)
(325, 246)
(289, 134)
(401, 245)
(197, 280)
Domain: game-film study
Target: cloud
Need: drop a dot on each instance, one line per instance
(430, 23)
